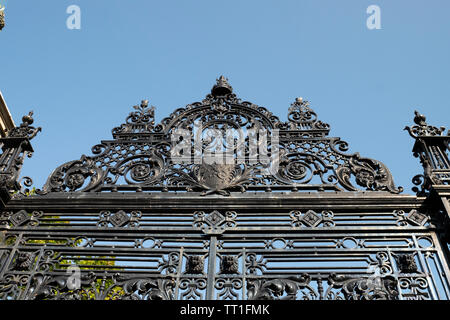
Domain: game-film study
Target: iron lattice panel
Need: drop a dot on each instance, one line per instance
(223, 254)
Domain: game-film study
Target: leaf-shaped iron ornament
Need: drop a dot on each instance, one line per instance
(370, 174)
(214, 178)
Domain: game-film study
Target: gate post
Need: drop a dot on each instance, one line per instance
(432, 148)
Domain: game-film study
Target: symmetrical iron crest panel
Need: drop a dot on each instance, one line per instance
(139, 158)
(137, 220)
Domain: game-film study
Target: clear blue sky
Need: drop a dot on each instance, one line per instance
(364, 83)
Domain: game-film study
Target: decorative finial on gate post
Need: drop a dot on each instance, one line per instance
(222, 87)
(25, 130)
(419, 119)
(2, 17)
(144, 103)
(421, 127)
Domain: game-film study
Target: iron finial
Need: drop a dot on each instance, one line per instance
(222, 87)
(2, 17)
(28, 120)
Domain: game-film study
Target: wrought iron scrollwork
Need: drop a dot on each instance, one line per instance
(47, 287)
(196, 244)
(138, 122)
(91, 287)
(119, 219)
(25, 130)
(278, 289)
(195, 264)
(312, 219)
(228, 288)
(16, 146)
(214, 222)
(143, 288)
(415, 288)
(302, 117)
(213, 178)
(368, 173)
(11, 286)
(414, 217)
(22, 218)
(73, 175)
(141, 156)
(192, 288)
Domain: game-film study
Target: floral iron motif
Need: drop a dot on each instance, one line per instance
(134, 288)
(195, 264)
(20, 218)
(23, 261)
(229, 265)
(312, 219)
(277, 289)
(119, 219)
(215, 178)
(406, 263)
(381, 288)
(214, 222)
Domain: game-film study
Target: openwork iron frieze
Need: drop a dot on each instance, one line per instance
(374, 288)
(20, 218)
(413, 218)
(312, 219)
(422, 128)
(280, 289)
(220, 145)
(195, 264)
(15, 147)
(119, 219)
(214, 222)
(91, 287)
(406, 263)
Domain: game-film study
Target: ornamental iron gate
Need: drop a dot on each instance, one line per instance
(147, 217)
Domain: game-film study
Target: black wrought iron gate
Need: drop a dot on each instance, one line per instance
(131, 223)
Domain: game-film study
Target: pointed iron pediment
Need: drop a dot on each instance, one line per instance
(301, 155)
